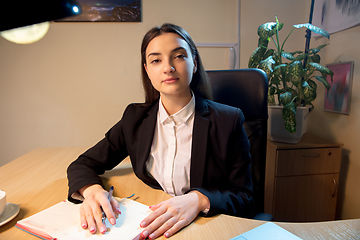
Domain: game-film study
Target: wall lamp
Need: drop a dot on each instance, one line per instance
(25, 21)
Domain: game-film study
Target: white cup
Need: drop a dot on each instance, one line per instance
(2, 201)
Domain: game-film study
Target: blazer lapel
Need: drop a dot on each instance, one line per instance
(143, 149)
(199, 143)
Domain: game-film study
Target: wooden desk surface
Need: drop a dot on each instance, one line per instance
(37, 180)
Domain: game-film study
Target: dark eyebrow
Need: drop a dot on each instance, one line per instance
(178, 49)
(155, 54)
(174, 50)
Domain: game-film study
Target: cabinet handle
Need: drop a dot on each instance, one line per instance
(315, 155)
(335, 188)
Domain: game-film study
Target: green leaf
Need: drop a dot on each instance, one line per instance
(321, 68)
(322, 46)
(288, 56)
(312, 84)
(316, 50)
(252, 58)
(289, 115)
(297, 52)
(295, 72)
(263, 42)
(272, 90)
(286, 98)
(314, 29)
(273, 31)
(315, 58)
(301, 57)
(294, 92)
(310, 67)
(324, 81)
(275, 80)
(256, 57)
(267, 30)
(309, 90)
(310, 70)
(271, 99)
(269, 52)
(279, 68)
(266, 65)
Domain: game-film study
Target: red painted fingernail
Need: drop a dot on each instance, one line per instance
(144, 234)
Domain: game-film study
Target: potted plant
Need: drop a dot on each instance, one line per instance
(292, 88)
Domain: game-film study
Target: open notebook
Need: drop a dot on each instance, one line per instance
(62, 222)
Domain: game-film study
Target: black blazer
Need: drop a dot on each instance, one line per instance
(220, 158)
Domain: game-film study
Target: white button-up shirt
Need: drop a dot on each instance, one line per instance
(170, 156)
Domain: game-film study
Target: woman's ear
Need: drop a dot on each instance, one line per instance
(195, 65)
(145, 67)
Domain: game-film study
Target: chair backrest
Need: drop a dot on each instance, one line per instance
(247, 89)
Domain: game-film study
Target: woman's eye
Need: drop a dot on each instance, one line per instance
(155, 61)
(180, 56)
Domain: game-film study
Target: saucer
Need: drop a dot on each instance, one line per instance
(11, 210)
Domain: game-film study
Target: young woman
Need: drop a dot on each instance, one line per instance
(178, 140)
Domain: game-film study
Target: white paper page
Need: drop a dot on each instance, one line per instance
(55, 219)
(127, 224)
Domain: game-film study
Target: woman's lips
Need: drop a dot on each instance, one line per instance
(170, 80)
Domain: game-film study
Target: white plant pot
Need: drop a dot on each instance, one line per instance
(276, 125)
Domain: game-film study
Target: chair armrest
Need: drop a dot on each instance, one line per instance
(264, 217)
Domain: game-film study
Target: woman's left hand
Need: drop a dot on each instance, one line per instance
(170, 216)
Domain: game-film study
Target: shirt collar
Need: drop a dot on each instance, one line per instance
(181, 116)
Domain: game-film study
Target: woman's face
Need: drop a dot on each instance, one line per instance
(170, 65)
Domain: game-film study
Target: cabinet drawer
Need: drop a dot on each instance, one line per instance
(308, 161)
(305, 198)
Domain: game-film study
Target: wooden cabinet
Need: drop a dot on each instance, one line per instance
(301, 179)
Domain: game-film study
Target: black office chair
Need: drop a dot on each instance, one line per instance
(247, 89)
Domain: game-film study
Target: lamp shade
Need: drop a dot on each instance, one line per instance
(19, 13)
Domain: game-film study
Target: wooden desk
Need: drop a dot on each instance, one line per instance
(37, 181)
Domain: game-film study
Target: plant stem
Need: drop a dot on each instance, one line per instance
(279, 50)
(282, 46)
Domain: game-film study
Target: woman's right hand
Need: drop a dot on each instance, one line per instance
(96, 200)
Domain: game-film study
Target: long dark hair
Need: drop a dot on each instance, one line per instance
(200, 84)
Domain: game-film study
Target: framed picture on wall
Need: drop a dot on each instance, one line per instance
(336, 15)
(337, 99)
(107, 11)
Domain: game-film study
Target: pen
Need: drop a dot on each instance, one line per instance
(109, 198)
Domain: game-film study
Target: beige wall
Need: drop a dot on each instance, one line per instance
(69, 88)
(344, 46)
